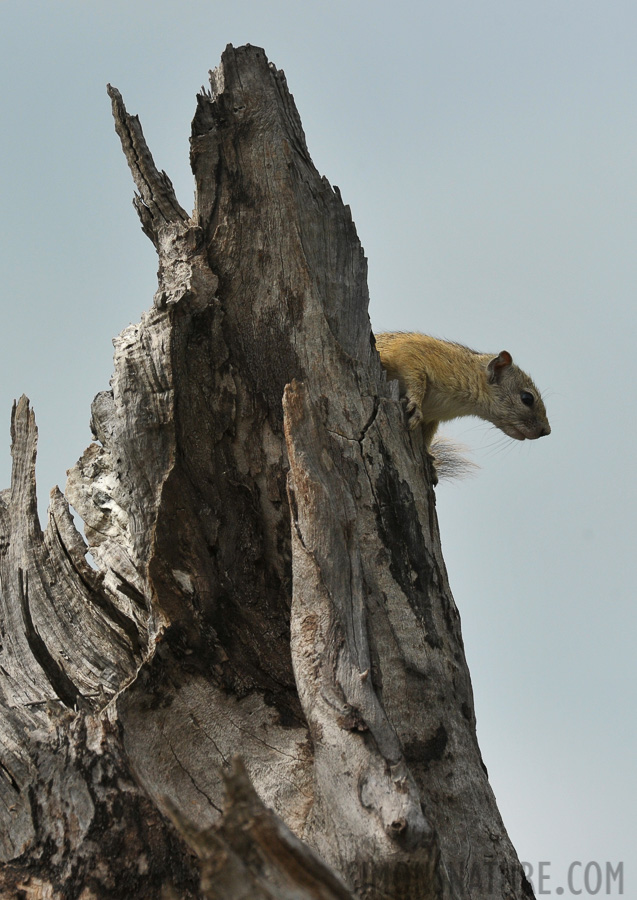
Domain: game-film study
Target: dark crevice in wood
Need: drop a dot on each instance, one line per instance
(56, 676)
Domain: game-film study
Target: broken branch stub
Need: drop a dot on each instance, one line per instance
(268, 574)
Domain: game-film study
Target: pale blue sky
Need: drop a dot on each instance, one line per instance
(488, 151)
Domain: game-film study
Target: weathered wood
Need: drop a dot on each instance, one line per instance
(251, 855)
(268, 581)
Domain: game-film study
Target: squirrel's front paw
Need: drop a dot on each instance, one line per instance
(414, 414)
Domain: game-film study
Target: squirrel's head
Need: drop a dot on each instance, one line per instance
(516, 406)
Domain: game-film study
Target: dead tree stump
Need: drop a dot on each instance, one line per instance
(268, 578)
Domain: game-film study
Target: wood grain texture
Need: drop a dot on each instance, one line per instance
(268, 578)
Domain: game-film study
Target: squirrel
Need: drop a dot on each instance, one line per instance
(442, 380)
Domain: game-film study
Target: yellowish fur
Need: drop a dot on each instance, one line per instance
(442, 381)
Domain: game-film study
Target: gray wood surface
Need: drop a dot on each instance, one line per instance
(267, 583)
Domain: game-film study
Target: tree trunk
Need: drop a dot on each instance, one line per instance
(268, 577)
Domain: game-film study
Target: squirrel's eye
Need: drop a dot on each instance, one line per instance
(527, 398)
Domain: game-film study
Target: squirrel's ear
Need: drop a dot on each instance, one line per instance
(498, 364)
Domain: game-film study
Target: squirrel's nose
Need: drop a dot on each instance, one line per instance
(546, 430)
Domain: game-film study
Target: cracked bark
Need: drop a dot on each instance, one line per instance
(268, 579)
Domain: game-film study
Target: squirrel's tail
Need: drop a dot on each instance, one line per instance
(450, 460)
